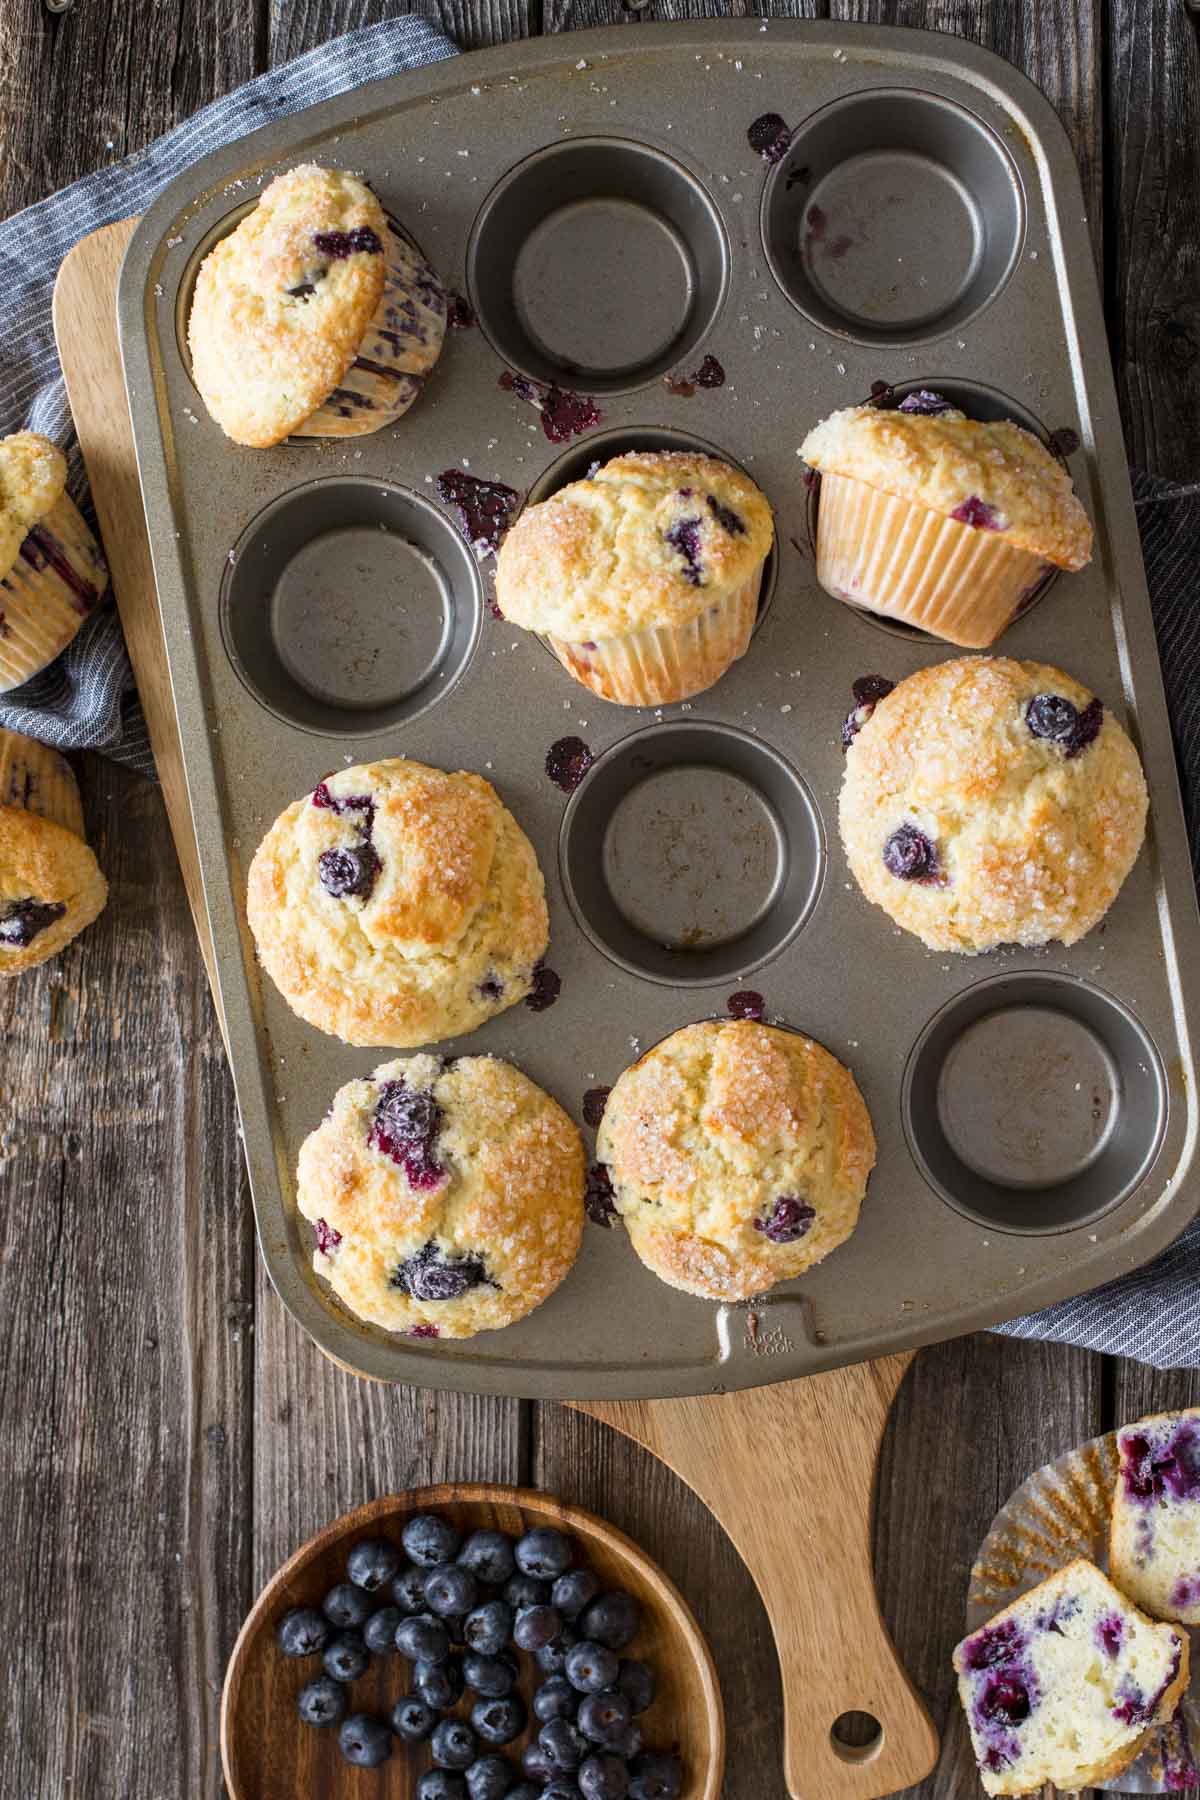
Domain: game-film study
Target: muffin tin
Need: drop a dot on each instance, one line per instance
(916, 218)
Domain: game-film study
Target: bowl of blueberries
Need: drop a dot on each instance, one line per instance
(471, 1643)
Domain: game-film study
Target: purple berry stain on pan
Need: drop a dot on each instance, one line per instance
(746, 1004)
(547, 985)
(485, 509)
(598, 1202)
(564, 414)
(567, 762)
(1064, 441)
(460, 314)
(594, 1103)
(769, 137)
(710, 374)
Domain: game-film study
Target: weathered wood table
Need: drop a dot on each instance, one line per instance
(167, 1435)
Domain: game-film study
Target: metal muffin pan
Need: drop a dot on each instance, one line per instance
(597, 197)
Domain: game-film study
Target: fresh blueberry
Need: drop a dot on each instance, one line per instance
(379, 1632)
(439, 1684)
(555, 1699)
(1053, 717)
(491, 1676)
(427, 1539)
(560, 1789)
(909, 855)
(499, 1721)
(572, 1592)
(790, 1218)
(302, 1632)
(637, 1681)
(346, 1656)
(544, 1553)
(606, 1719)
(450, 1590)
(454, 1744)
(551, 1659)
(441, 1784)
(349, 870)
(655, 1775)
(346, 1605)
(489, 1556)
(489, 1627)
(612, 1619)
(603, 1777)
(536, 1764)
(364, 1741)
(490, 1778)
(523, 1590)
(535, 1626)
(592, 1667)
(564, 1744)
(413, 1719)
(524, 1790)
(408, 1590)
(322, 1702)
(423, 1638)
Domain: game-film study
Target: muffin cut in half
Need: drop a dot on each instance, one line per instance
(52, 570)
(1154, 1552)
(50, 882)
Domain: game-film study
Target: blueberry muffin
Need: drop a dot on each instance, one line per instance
(1067, 1684)
(398, 904)
(945, 522)
(1154, 1553)
(50, 882)
(446, 1197)
(737, 1155)
(52, 570)
(644, 578)
(316, 316)
(990, 802)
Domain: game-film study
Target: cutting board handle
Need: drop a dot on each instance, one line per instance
(789, 1472)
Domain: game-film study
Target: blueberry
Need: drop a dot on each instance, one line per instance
(379, 1632)
(346, 1606)
(489, 1556)
(684, 536)
(432, 1275)
(441, 1784)
(555, 1699)
(423, 1639)
(536, 1764)
(523, 1590)
(372, 1564)
(571, 1592)
(551, 1659)
(544, 1553)
(909, 855)
(489, 1627)
(535, 1626)
(499, 1721)
(636, 1680)
(413, 1719)
(364, 1741)
(730, 522)
(349, 871)
(592, 1667)
(450, 1591)
(564, 1744)
(1053, 717)
(302, 1632)
(439, 1684)
(24, 919)
(524, 1790)
(490, 1778)
(322, 1702)
(491, 1676)
(655, 1776)
(341, 244)
(408, 1590)
(925, 401)
(632, 1744)
(560, 1789)
(346, 1656)
(978, 513)
(612, 1620)
(603, 1777)
(789, 1219)
(454, 1744)
(567, 762)
(606, 1719)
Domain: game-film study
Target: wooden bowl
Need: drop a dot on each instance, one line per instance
(269, 1754)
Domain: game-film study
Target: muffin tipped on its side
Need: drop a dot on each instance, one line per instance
(52, 570)
(1154, 1552)
(50, 882)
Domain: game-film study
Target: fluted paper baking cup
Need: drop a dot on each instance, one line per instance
(1062, 1511)
(666, 663)
(57, 580)
(399, 348)
(907, 562)
(39, 779)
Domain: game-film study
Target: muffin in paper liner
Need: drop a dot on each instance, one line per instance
(50, 882)
(37, 778)
(56, 573)
(1061, 1512)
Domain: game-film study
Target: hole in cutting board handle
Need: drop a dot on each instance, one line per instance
(857, 1737)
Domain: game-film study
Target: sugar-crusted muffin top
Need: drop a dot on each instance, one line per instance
(738, 1155)
(1067, 1684)
(50, 888)
(651, 538)
(282, 303)
(33, 474)
(990, 474)
(1155, 1539)
(398, 904)
(446, 1197)
(989, 802)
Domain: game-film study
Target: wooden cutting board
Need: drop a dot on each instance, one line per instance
(788, 1470)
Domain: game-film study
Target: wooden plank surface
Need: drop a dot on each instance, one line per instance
(169, 1435)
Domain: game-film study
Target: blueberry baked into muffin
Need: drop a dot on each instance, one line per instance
(315, 317)
(644, 578)
(990, 802)
(1154, 1551)
(446, 1197)
(398, 904)
(1067, 1684)
(945, 522)
(50, 882)
(737, 1155)
(52, 570)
